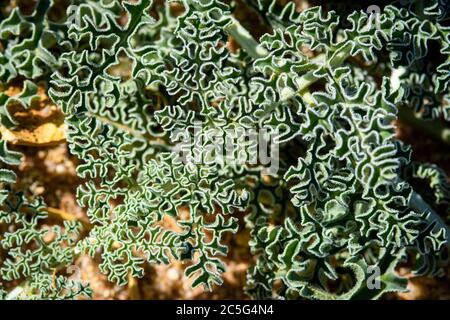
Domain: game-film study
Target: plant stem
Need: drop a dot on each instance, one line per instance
(255, 50)
(245, 39)
(15, 293)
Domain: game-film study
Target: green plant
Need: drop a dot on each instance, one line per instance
(135, 90)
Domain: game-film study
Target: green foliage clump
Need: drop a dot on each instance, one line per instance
(37, 253)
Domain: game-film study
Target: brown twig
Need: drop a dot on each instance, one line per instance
(58, 214)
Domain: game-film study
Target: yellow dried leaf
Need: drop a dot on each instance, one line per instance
(45, 134)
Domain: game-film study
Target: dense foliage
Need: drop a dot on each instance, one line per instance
(141, 82)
